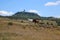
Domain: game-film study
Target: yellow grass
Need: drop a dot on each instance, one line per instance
(26, 31)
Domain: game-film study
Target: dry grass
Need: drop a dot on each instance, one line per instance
(26, 31)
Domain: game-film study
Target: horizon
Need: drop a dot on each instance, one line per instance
(44, 8)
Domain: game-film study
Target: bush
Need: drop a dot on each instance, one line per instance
(47, 23)
(4, 38)
(22, 21)
(51, 23)
(10, 23)
(24, 27)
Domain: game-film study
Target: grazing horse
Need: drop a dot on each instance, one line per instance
(35, 20)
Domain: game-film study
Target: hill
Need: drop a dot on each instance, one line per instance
(28, 15)
(25, 15)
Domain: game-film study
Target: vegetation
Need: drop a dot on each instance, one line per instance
(26, 15)
(28, 30)
(10, 23)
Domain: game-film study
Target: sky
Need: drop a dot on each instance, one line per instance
(44, 8)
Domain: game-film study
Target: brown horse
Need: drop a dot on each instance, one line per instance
(35, 20)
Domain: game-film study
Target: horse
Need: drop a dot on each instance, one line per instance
(35, 21)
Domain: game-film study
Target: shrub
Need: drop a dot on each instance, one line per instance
(41, 23)
(51, 23)
(47, 23)
(4, 38)
(23, 27)
(22, 21)
(10, 23)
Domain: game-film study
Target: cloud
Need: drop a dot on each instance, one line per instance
(34, 11)
(6, 13)
(53, 3)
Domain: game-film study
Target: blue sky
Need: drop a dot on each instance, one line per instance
(41, 7)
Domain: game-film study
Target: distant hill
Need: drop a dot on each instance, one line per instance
(25, 15)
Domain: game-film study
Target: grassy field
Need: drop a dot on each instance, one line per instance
(24, 30)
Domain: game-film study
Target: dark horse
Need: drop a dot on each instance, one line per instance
(35, 20)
